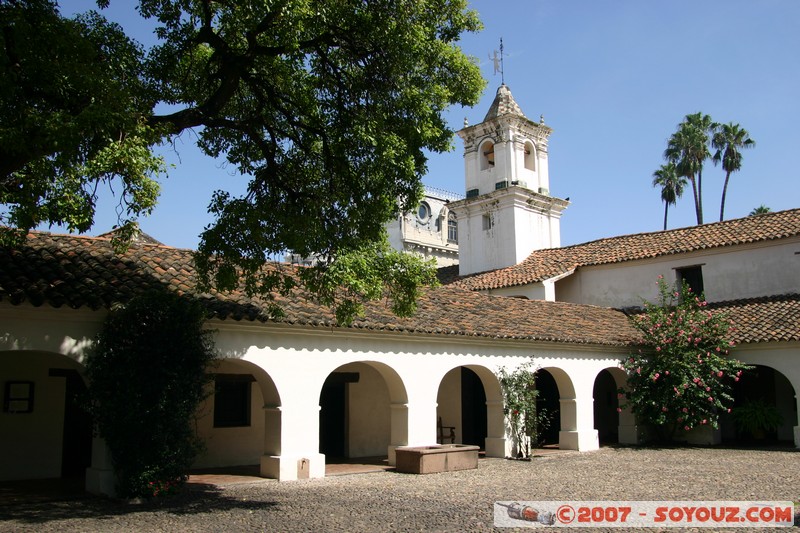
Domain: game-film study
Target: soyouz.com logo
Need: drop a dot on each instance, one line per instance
(746, 514)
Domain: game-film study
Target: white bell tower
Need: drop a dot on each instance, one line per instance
(508, 211)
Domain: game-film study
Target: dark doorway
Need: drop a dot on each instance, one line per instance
(548, 405)
(473, 409)
(333, 414)
(76, 448)
(606, 417)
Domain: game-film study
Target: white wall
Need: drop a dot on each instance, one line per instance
(31, 443)
(746, 271)
(231, 446)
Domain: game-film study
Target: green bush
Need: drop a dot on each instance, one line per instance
(147, 376)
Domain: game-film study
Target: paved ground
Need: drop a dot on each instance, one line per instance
(456, 501)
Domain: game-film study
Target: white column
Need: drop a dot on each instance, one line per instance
(298, 450)
(100, 478)
(577, 424)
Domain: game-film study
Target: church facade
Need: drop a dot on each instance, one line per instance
(293, 393)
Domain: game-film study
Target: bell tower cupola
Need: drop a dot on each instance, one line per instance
(508, 211)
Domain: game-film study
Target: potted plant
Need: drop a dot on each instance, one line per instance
(756, 418)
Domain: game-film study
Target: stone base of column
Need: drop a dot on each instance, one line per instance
(291, 468)
(583, 441)
(101, 482)
(100, 479)
(495, 446)
(797, 436)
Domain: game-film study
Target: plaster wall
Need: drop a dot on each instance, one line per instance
(448, 402)
(232, 446)
(30, 447)
(728, 273)
(369, 413)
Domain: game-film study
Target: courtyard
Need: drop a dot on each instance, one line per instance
(457, 501)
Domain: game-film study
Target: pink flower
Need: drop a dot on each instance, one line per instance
(719, 374)
(685, 385)
(729, 409)
(667, 373)
(710, 399)
(704, 421)
(708, 389)
(619, 409)
(664, 409)
(658, 348)
(686, 428)
(685, 410)
(735, 379)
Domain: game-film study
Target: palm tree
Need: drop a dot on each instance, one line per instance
(760, 210)
(671, 184)
(729, 139)
(688, 150)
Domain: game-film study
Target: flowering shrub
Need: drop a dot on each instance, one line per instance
(519, 406)
(682, 377)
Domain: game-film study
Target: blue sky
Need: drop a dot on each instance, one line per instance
(612, 78)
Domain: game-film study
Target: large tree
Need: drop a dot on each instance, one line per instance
(688, 149)
(671, 184)
(729, 140)
(327, 105)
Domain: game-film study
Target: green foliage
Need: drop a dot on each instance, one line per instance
(729, 140)
(328, 108)
(147, 378)
(671, 184)
(73, 110)
(688, 149)
(682, 378)
(760, 210)
(756, 417)
(370, 272)
(519, 406)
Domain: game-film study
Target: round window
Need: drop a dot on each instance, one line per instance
(424, 212)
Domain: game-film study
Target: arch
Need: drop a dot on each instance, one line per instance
(469, 399)
(770, 386)
(486, 154)
(240, 421)
(51, 436)
(363, 411)
(530, 156)
(607, 415)
(557, 397)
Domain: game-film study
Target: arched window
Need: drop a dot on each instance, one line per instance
(487, 155)
(452, 228)
(530, 156)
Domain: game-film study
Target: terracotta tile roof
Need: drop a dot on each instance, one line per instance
(549, 263)
(766, 319)
(77, 272)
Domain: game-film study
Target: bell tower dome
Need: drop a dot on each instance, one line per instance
(508, 211)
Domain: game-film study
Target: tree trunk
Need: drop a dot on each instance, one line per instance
(724, 192)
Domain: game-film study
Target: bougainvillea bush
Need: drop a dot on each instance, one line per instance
(682, 377)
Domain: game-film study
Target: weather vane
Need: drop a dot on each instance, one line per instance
(497, 62)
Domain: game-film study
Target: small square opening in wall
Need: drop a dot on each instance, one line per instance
(18, 397)
(487, 222)
(693, 276)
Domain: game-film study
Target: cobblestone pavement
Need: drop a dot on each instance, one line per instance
(455, 501)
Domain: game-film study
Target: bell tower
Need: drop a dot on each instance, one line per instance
(508, 211)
